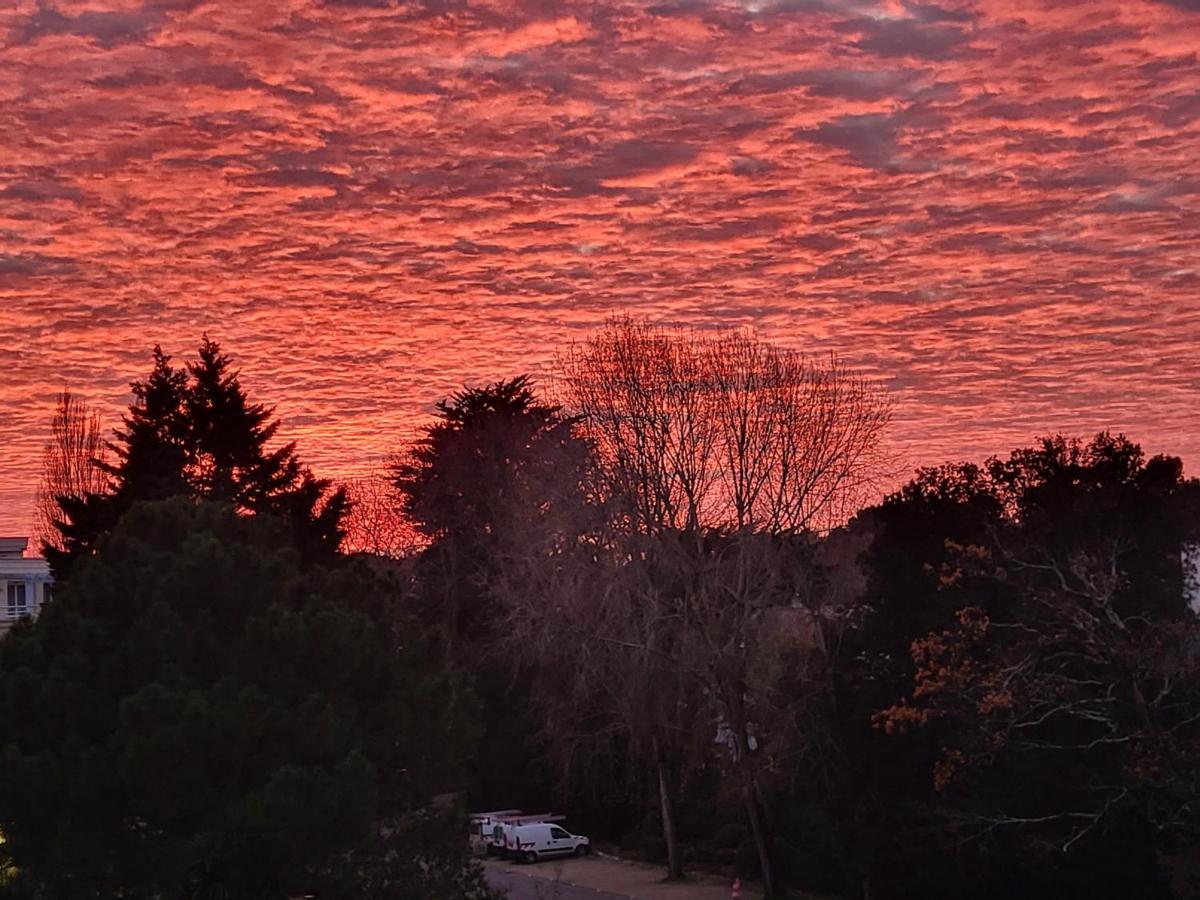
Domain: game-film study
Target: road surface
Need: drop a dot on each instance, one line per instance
(600, 877)
(542, 883)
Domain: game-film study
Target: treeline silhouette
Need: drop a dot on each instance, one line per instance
(661, 595)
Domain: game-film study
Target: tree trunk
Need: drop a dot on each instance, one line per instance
(674, 863)
(751, 792)
(758, 829)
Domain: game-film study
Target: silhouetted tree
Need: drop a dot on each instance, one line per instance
(151, 459)
(1050, 695)
(724, 429)
(377, 523)
(198, 715)
(193, 432)
(498, 476)
(707, 445)
(494, 471)
(72, 464)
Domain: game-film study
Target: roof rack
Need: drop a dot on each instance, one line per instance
(535, 818)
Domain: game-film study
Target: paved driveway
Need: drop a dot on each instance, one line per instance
(600, 877)
(541, 882)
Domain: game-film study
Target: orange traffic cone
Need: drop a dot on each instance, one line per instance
(737, 889)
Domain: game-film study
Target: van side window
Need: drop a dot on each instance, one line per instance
(558, 833)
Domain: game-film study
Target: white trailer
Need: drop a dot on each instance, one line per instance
(482, 824)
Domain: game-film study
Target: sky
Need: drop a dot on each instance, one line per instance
(993, 208)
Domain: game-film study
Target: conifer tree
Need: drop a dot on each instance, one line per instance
(199, 715)
(230, 435)
(151, 455)
(191, 431)
(232, 463)
(496, 466)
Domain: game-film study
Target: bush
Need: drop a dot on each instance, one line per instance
(747, 860)
(705, 851)
(654, 849)
(634, 840)
(730, 835)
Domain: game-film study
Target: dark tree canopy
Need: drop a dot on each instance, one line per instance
(1056, 500)
(493, 452)
(1001, 699)
(1027, 655)
(196, 715)
(497, 466)
(493, 479)
(193, 432)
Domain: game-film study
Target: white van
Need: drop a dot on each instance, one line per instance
(499, 830)
(533, 842)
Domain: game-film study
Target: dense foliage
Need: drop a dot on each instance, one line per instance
(199, 715)
(998, 697)
(987, 685)
(1031, 671)
(489, 480)
(216, 703)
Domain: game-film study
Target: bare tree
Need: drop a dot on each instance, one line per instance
(718, 455)
(725, 430)
(377, 523)
(756, 648)
(600, 631)
(71, 464)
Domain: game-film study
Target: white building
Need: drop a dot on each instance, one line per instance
(1191, 576)
(25, 582)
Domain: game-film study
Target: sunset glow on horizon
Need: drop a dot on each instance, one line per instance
(991, 207)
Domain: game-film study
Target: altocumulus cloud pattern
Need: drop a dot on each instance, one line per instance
(993, 207)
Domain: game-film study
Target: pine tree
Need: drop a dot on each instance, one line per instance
(153, 452)
(231, 462)
(230, 435)
(152, 458)
(198, 715)
(193, 432)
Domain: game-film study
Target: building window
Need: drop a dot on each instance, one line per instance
(18, 602)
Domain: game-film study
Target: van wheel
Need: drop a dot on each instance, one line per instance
(582, 850)
(530, 856)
